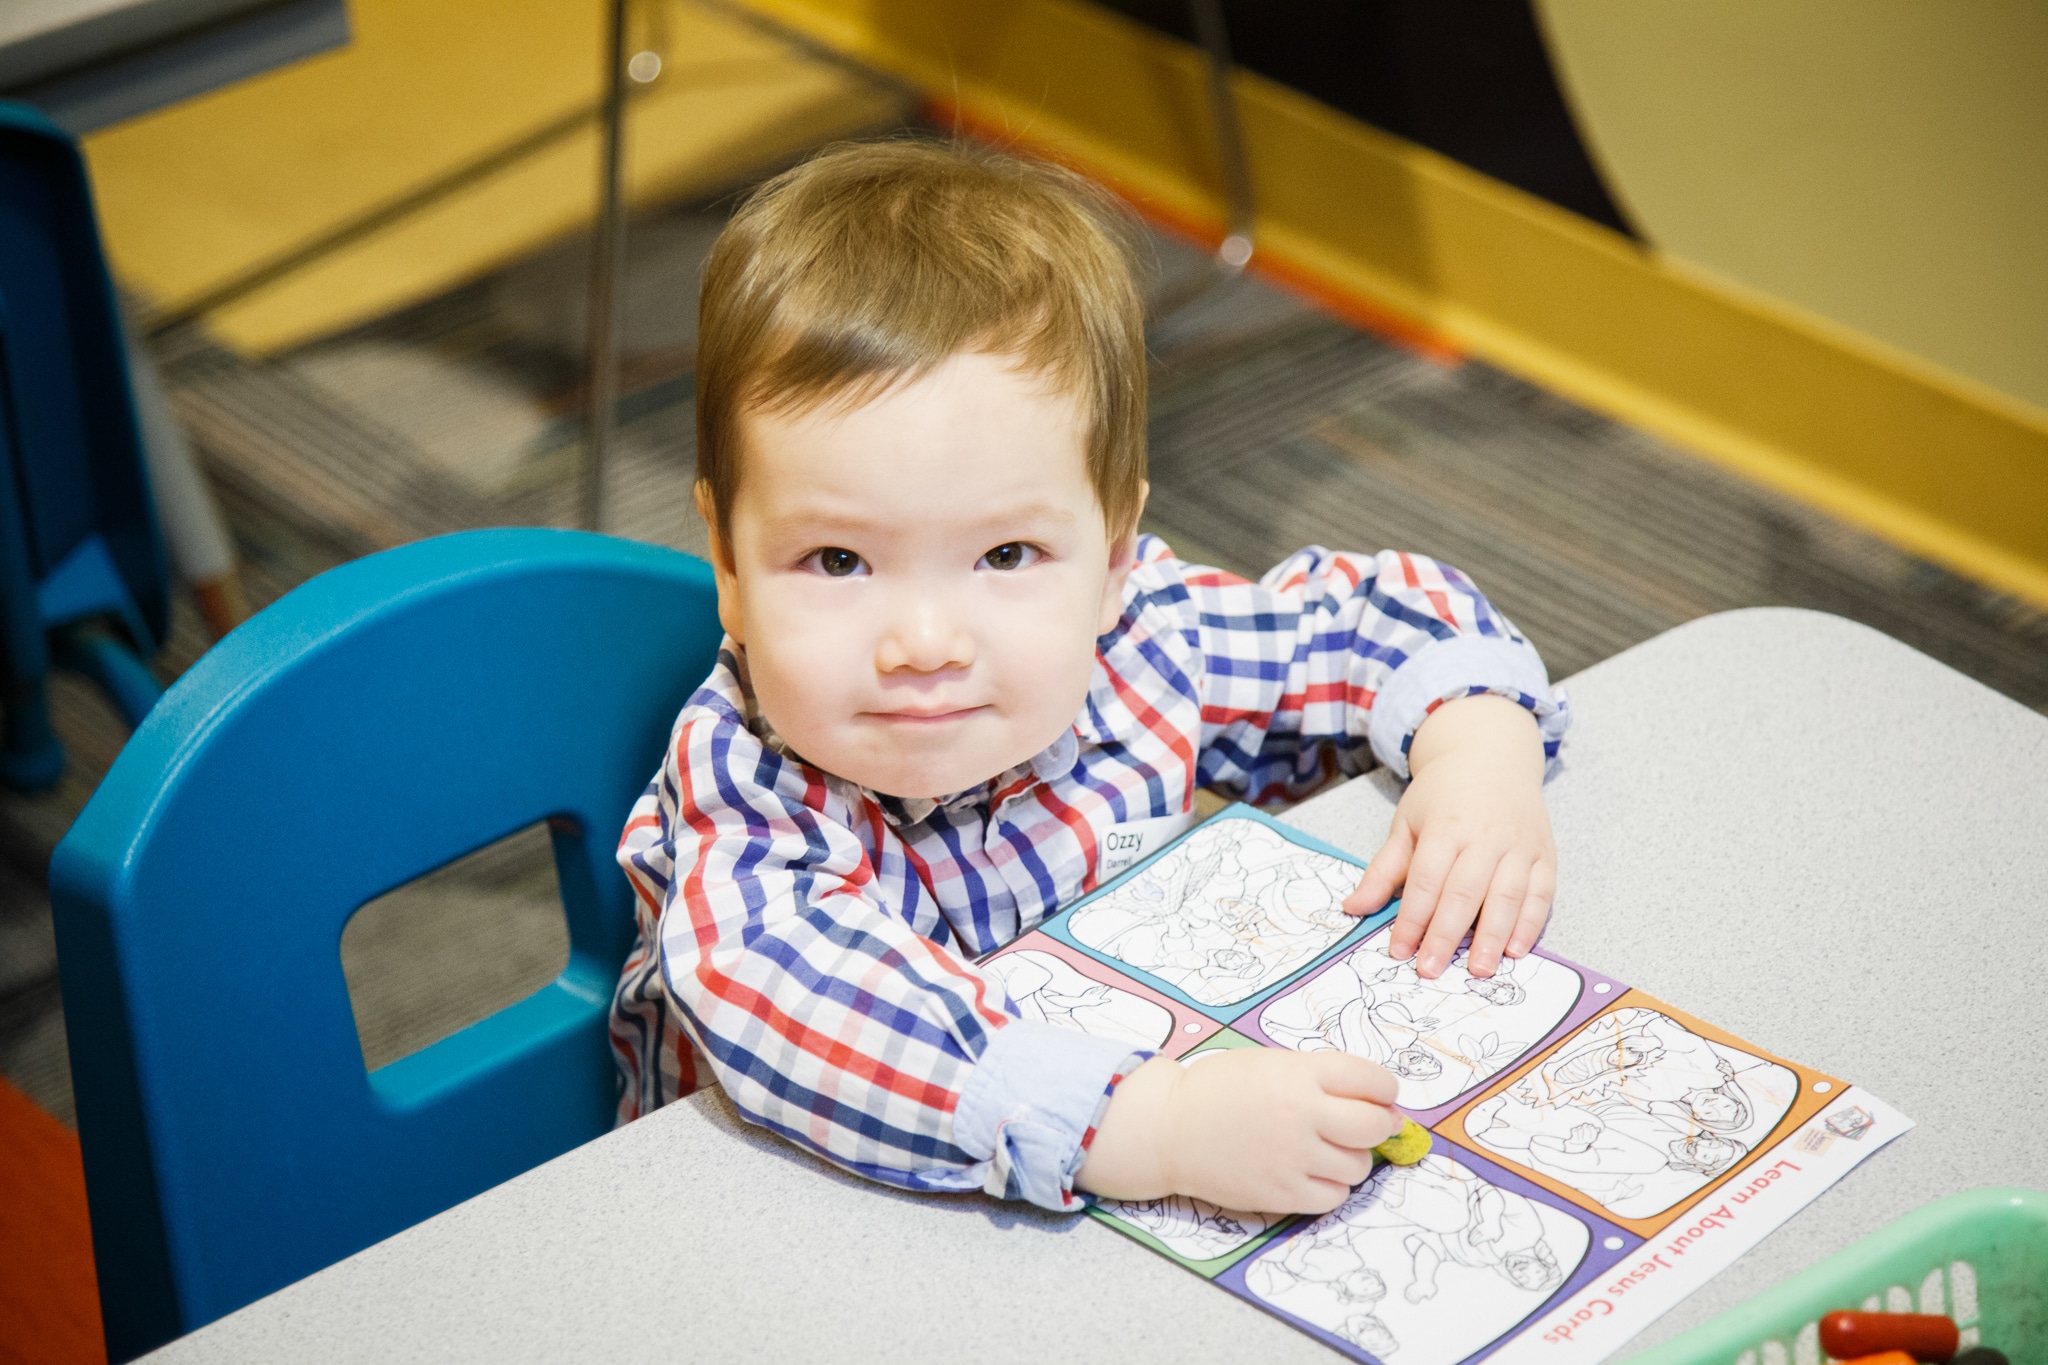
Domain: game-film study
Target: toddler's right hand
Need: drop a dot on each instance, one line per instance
(1259, 1129)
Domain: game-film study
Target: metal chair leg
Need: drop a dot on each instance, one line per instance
(1236, 249)
(607, 264)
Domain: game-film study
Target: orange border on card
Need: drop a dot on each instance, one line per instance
(1805, 1105)
(1183, 1040)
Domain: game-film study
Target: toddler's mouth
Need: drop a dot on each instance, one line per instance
(923, 717)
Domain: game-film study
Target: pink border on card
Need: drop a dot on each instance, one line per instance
(1190, 1028)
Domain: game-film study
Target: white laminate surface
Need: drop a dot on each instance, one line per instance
(1783, 822)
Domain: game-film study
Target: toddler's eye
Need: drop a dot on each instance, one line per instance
(834, 562)
(1014, 554)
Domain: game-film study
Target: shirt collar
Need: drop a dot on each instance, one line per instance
(1049, 764)
(1105, 717)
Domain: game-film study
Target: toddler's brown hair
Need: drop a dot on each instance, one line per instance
(871, 263)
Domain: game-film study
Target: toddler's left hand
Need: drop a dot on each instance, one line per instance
(1471, 839)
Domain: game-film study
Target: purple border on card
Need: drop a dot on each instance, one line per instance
(1590, 1002)
(1599, 1259)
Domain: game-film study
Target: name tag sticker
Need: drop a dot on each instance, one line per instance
(1125, 846)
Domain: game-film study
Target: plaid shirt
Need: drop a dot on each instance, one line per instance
(815, 941)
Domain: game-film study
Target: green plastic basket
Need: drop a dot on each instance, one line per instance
(1980, 1257)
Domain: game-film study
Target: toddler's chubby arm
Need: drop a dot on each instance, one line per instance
(1261, 1129)
(1335, 659)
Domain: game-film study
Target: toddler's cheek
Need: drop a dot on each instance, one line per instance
(1045, 673)
(803, 694)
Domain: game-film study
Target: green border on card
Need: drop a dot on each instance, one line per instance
(1208, 1269)
(1217, 1041)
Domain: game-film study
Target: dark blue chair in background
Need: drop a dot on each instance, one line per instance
(79, 547)
(376, 723)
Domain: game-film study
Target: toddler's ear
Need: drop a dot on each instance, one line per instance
(722, 566)
(1123, 557)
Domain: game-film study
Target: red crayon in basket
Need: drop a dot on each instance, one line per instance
(1925, 1337)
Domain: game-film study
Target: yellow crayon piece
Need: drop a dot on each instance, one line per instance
(1406, 1147)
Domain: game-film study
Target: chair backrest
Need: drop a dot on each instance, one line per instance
(76, 516)
(378, 722)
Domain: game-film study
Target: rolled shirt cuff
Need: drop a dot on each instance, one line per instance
(1464, 666)
(1031, 1106)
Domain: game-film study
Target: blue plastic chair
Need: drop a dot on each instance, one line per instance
(78, 532)
(378, 722)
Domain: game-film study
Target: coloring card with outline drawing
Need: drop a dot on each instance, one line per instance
(1598, 1154)
(1191, 1229)
(1641, 1111)
(1230, 910)
(1056, 983)
(1636, 1112)
(1442, 1038)
(1046, 988)
(1430, 1264)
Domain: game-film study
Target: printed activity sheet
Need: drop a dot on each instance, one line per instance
(1373, 1271)
(1597, 1155)
(1046, 988)
(1637, 1113)
(1194, 1229)
(1226, 911)
(1441, 1037)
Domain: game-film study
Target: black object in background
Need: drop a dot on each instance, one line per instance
(1468, 78)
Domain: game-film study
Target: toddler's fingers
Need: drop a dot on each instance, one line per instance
(1427, 869)
(1384, 874)
(1317, 1196)
(1351, 1077)
(1535, 907)
(1456, 908)
(1344, 1165)
(1500, 916)
(1356, 1124)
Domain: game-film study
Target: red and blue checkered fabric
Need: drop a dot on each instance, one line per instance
(814, 941)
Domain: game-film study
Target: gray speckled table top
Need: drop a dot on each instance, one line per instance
(1783, 822)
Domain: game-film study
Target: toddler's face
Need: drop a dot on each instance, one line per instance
(919, 581)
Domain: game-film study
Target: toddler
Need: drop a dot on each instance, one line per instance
(958, 689)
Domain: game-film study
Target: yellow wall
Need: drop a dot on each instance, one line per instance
(1937, 462)
(202, 192)
(1882, 162)
(1942, 463)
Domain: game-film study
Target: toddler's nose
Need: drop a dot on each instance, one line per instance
(924, 639)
